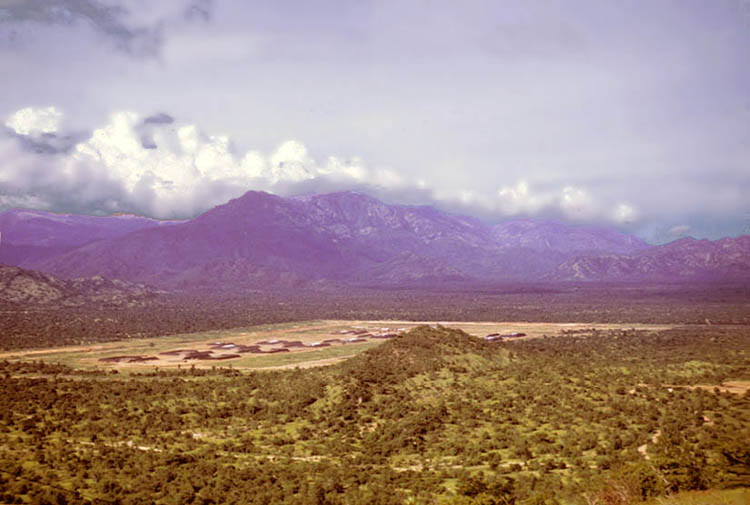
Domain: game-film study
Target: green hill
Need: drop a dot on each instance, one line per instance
(433, 416)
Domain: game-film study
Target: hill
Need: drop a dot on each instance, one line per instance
(28, 288)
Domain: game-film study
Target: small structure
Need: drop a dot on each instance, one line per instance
(248, 348)
(176, 352)
(128, 359)
(294, 343)
(493, 337)
(272, 341)
(225, 356)
(198, 355)
(318, 344)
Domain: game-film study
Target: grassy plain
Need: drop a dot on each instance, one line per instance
(307, 332)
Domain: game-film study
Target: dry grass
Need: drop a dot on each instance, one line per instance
(89, 356)
(711, 497)
(735, 387)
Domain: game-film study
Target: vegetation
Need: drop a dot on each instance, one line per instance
(434, 416)
(23, 326)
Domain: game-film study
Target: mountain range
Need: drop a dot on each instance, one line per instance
(262, 240)
(32, 235)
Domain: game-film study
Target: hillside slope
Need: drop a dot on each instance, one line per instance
(727, 259)
(341, 237)
(33, 235)
(28, 288)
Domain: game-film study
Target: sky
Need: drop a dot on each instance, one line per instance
(633, 114)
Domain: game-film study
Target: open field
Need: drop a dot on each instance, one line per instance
(268, 344)
(659, 304)
(736, 387)
(712, 497)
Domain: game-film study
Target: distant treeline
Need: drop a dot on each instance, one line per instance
(23, 327)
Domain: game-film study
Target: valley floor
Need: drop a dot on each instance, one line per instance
(568, 414)
(305, 344)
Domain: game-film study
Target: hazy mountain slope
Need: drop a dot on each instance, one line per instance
(465, 246)
(31, 235)
(264, 240)
(553, 236)
(18, 255)
(385, 233)
(259, 230)
(724, 259)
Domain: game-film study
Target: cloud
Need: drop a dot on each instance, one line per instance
(497, 109)
(36, 130)
(577, 203)
(519, 199)
(31, 120)
(679, 230)
(160, 118)
(573, 203)
(156, 166)
(159, 166)
(196, 48)
(199, 10)
(23, 201)
(134, 26)
(624, 213)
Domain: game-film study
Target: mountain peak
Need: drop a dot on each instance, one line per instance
(260, 239)
(338, 196)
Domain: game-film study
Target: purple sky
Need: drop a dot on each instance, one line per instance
(634, 114)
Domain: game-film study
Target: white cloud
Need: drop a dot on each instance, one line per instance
(290, 163)
(172, 169)
(383, 177)
(520, 199)
(33, 120)
(356, 170)
(253, 164)
(624, 214)
(188, 136)
(572, 202)
(162, 169)
(576, 203)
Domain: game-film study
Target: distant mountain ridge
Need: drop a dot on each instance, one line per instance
(262, 240)
(36, 234)
(685, 259)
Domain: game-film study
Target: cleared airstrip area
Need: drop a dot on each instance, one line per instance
(287, 345)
